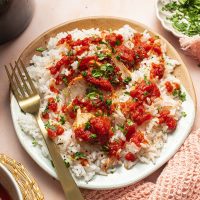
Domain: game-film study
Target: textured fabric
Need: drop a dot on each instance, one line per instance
(191, 45)
(180, 179)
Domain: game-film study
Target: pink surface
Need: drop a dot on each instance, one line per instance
(179, 180)
(51, 13)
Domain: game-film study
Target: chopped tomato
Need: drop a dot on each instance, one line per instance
(114, 39)
(100, 82)
(53, 89)
(51, 133)
(130, 157)
(45, 115)
(157, 70)
(64, 109)
(145, 89)
(115, 147)
(52, 105)
(157, 49)
(60, 130)
(169, 87)
(165, 117)
(101, 126)
(86, 62)
(139, 115)
(125, 54)
(130, 130)
(138, 138)
(84, 135)
(67, 39)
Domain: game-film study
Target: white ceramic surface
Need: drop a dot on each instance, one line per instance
(161, 15)
(8, 182)
(121, 177)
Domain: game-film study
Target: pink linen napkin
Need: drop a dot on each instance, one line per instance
(191, 45)
(180, 179)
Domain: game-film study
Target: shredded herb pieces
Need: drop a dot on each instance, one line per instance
(185, 16)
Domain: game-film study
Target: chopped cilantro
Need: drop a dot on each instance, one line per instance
(75, 108)
(40, 49)
(181, 95)
(184, 16)
(79, 155)
(183, 114)
(146, 93)
(92, 95)
(96, 73)
(127, 79)
(34, 142)
(84, 73)
(93, 136)
(146, 80)
(65, 80)
(118, 57)
(70, 53)
(57, 98)
(102, 42)
(108, 102)
(127, 93)
(121, 128)
(67, 164)
(118, 42)
(87, 125)
(105, 148)
(62, 119)
(129, 122)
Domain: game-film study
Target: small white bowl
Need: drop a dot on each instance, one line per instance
(8, 182)
(161, 15)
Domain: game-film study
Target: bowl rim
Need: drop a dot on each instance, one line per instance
(12, 181)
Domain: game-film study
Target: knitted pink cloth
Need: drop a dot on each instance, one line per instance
(180, 179)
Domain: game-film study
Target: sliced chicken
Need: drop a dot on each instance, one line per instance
(124, 70)
(81, 119)
(77, 87)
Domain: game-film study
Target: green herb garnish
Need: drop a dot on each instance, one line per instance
(34, 142)
(108, 102)
(118, 57)
(179, 94)
(93, 136)
(183, 114)
(127, 79)
(79, 155)
(87, 125)
(84, 73)
(75, 108)
(96, 73)
(62, 119)
(67, 164)
(185, 16)
(40, 49)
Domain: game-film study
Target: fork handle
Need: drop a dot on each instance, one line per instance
(69, 186)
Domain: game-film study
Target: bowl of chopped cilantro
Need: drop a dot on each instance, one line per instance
(181, 17)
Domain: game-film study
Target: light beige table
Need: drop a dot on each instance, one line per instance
(49, 13)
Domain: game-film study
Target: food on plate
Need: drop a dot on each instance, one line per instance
(109, 98)
(184, 15)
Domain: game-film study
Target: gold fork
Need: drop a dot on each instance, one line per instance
(29, 101)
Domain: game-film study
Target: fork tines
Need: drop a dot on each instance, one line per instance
(21, 83)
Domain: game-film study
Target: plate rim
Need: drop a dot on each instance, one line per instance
(193, 96)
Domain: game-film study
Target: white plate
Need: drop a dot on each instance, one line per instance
(121, 177)
(161, 15)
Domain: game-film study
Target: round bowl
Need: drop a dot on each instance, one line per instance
(8, 182)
